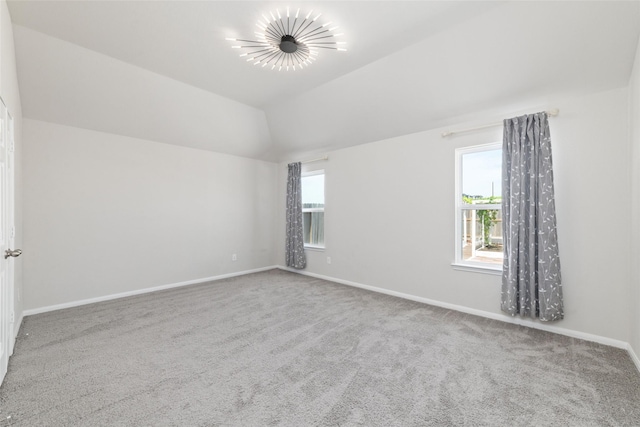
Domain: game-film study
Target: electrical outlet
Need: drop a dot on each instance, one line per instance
(328, 260)
(234, 257)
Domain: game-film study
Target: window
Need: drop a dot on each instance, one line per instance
(479, 206)
(313, 208)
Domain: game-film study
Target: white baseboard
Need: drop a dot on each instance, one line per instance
(46, 309)
(495, 316)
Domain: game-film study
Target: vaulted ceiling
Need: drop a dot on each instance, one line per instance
(163, 71)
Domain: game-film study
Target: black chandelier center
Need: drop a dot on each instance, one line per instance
(288, 44)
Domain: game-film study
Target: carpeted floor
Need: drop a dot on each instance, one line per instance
(277, 348)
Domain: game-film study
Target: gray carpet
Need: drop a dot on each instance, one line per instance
(277, 348)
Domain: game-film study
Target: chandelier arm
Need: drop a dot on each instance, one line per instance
(271, 30)
(300, 30)
(258, 51)
(251, 41)
(265, 47)
(293, 27)
(295, 32)
(269, 58)
(270, 52)
(280, 26)
(312, 33)
(319, 38)
(297, 55)
(273, 40)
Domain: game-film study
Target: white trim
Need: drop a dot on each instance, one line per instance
(634, 356)
(141, 291)
(16, 331)
(16, 326)
(495, 316)
(480, 268)
(314, 248)
(459, 206)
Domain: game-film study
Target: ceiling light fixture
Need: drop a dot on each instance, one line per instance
(289, 41)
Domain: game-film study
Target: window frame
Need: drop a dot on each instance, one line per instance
(459, 263)
(324, 188)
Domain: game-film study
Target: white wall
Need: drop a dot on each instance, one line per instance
(68, 84)
(10, 94)
(106, 214)
(464, 69)
(634, 128)
(390, 215)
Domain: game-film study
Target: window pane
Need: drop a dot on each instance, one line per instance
(313, 228)
(482, 235)
(313, 209)
(482, 176)
(313, 189)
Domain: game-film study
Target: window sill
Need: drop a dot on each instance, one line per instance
(475, 268)
(314, 248)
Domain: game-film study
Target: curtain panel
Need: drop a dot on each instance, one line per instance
(531, 280)
(294, 250)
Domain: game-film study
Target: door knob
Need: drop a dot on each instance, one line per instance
(13, 253)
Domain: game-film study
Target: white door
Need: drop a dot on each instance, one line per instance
(7, 235)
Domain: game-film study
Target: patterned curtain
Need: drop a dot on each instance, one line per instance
(531, 282)
(294, 251)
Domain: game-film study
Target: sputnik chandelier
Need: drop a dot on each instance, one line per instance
(289, 40)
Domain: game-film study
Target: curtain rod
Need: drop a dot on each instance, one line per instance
(315, 160)
(551, 113)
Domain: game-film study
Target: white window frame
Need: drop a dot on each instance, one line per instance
(314, 173)
(459, 263)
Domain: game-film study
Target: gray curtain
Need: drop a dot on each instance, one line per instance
(294, 251)
(531, 282)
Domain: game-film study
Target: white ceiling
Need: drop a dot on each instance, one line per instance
(162, 70)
